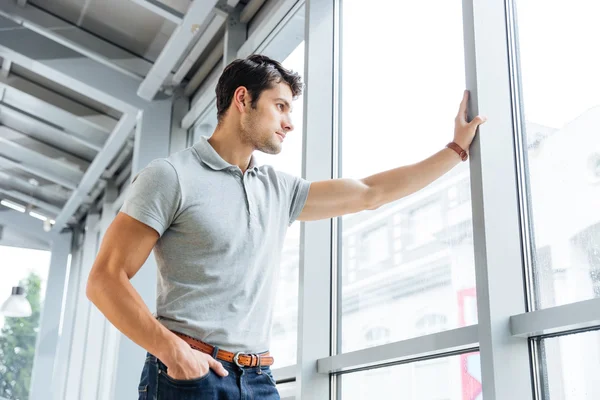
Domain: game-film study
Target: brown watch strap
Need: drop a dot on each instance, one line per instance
(459, 150)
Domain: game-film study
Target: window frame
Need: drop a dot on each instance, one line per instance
(507, 329)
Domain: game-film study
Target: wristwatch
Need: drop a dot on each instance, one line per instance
(459, 150)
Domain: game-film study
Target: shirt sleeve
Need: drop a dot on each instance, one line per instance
(296, 190)
(154, 196)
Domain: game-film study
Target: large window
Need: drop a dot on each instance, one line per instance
(561, 105)
(18, 336)
(402, 80)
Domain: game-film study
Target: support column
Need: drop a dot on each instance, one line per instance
(110, 334)
(96, 322)
(67, 328)
(47, 343)
(82, 312)
(152, 137)
(496, 188)
(315, 305)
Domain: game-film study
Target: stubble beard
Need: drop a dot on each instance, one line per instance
(251, 134)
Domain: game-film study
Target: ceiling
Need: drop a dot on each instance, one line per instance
(53, 132)
(145, 35)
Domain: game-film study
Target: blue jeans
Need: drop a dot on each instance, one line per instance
(242, 383)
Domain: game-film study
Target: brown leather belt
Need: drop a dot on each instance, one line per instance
(239, 359)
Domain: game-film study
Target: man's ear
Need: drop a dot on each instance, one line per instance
(241, 99)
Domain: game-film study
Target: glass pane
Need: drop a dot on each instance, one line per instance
(408, 267)
(18, 336)
(571, 366)
(561, 105)
(449, 378)
(284, 332)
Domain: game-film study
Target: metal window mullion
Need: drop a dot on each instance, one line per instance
(583, 315)
(285, 374)
(435, 345)
(497, 236)
(314, 303)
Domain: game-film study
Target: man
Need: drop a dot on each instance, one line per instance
(216, 222)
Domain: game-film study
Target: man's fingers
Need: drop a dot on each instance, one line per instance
(462, 111)
(217, 367)
(478, 120)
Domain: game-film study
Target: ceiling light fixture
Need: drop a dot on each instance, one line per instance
(38, 216)
(17, 304)
(14, 206)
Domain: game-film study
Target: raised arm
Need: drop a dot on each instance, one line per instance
(336, 197)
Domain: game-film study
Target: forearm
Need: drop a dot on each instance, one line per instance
(397, 183)
(121, 304)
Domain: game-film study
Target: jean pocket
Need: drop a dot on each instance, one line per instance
(184, 382)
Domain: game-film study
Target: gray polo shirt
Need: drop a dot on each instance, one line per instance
(221, 236)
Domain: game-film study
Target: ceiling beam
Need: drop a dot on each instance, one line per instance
(194, 23)
(24, 224)
(23, 141)
(59, 172)
(211, 30)
(67, 141)
(250, 10)
(48, 193)
(207, 66)
(77, 39)
(6, 64)
(41, 191)
(41, 172)
(161, 9)
(68, 68)
(32, 200)
(96, 169)
(55, 108)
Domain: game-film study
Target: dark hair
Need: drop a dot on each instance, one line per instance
(256, 73)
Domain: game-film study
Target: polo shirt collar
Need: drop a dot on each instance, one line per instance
(211, 158)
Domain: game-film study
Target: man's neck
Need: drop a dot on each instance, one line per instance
(227, 143)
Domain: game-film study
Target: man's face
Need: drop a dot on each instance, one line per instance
(266, 126)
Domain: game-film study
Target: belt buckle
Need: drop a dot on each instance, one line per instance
(236, 359)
